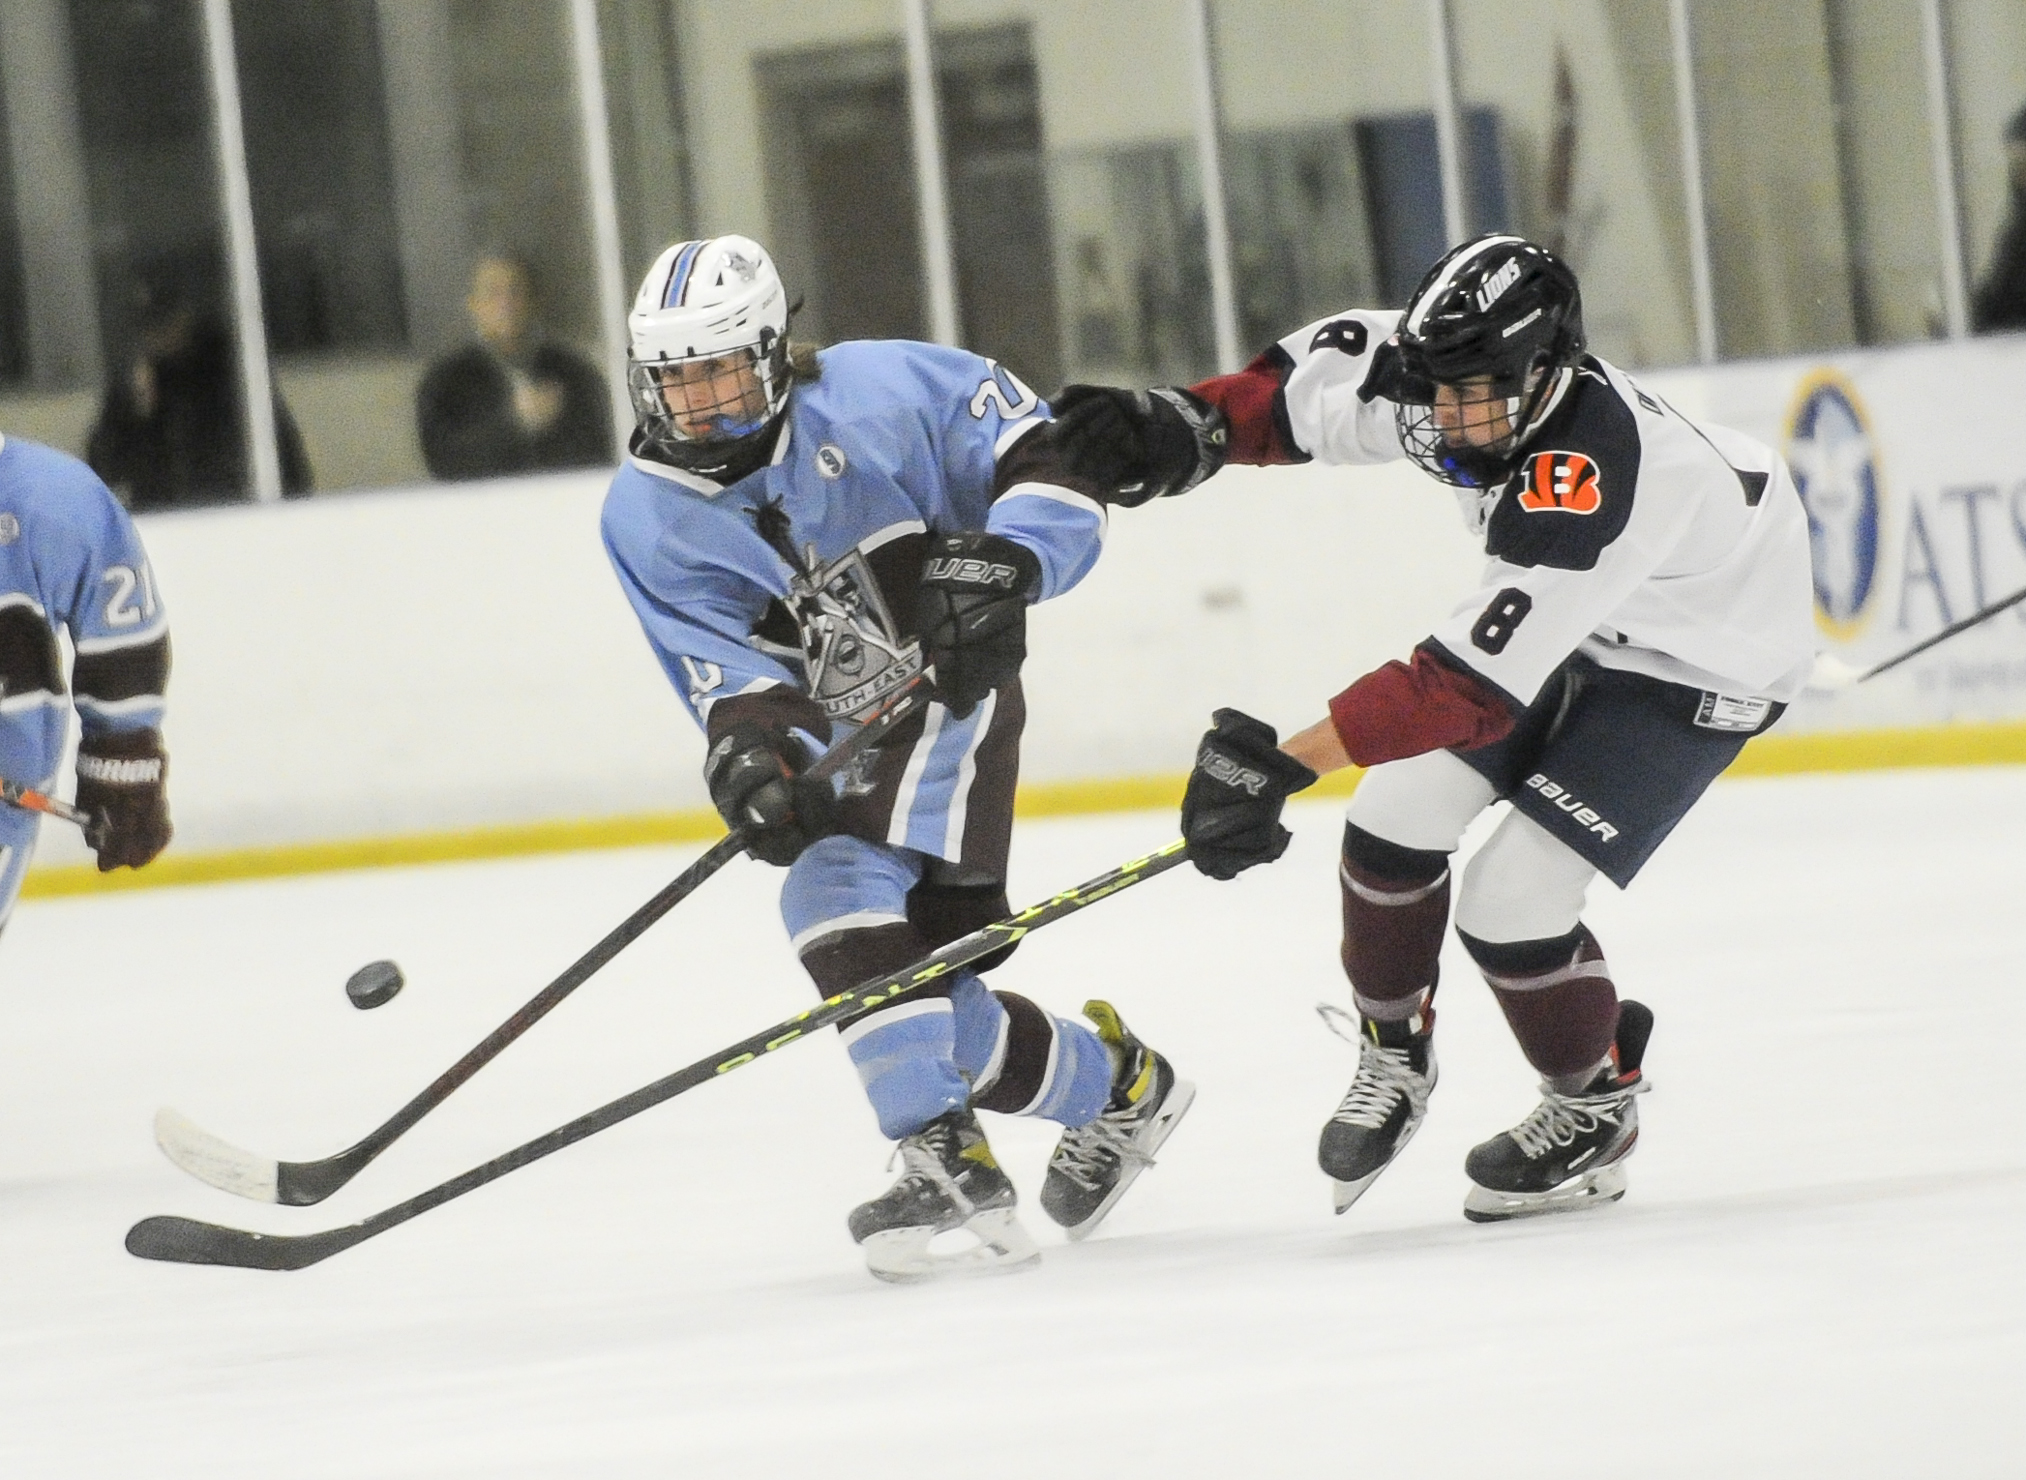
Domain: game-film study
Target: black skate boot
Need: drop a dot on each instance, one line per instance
(1385, 1103)
(1570, 1153)
(1094, 1164)
(949, 1180)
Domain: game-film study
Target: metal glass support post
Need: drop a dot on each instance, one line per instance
(932, 201)
(1691, 183)
(256, 387)
(1448, 123)
(595, 128)
(1210, 169)
(1942, 156)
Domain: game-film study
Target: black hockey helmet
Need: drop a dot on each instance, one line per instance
(1498, 309)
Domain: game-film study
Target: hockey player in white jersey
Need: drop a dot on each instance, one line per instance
(71, 563)
(800, 533)
(1645, 609)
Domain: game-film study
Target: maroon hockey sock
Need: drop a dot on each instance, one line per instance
(1396, 904)
(1558, 999)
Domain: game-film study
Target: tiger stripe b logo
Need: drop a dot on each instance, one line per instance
(1565, 482)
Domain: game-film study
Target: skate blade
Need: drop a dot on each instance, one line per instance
(1148, 1141)
(1346, 1193)
(902, 1256)
(1591, 1190)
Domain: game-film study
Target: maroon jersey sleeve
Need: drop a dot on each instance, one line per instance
(1254, 402)
(1402, 709)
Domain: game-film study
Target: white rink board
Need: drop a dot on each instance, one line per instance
(422, 659)
(1816, 1271)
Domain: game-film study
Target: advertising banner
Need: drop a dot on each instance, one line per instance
(1912, 464)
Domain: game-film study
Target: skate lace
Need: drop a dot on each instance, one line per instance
(1559, 1119)
(1384, 1075)
(1088, 1152)
(923, 1156)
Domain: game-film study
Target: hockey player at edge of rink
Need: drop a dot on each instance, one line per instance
(800, 532)
(1645, 609)
(71, 559)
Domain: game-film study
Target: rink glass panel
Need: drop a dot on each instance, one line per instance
(1583, 94)
(1075, 196)
(1330, 172)
(389, 143)
(1779, 263)
(1986, 42)
(388, 147)
(13, 303)
(1885, 171)
(113, 186)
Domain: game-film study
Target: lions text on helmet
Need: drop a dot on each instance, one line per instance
(707, 360)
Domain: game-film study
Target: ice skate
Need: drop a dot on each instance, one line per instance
(1386, 1101)
(949, 1181)
(1094, 1164)
(1570, 1152)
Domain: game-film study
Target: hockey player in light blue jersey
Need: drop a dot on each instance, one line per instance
(800, 533)
(71, 561)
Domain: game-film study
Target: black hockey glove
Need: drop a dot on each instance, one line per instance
(1231, 811)
(1140, 444)
(973, 613)
(755, 780)
(122, 781)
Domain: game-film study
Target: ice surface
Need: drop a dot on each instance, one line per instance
(1818, 1270)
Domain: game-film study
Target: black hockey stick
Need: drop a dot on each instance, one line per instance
(300, 1183)
(186, 1241)
(1832, 673)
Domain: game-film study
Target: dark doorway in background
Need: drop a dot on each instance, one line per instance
(842, 204)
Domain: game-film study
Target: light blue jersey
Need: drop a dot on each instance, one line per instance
(70, 562)
(895, 439)
(893, 444)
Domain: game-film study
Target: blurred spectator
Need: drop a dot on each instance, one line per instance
(2000, 299)
(513, 402)
(169, 433)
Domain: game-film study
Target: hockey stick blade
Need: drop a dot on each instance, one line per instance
(213, 1160)
(185, 1241)
(209, 1159)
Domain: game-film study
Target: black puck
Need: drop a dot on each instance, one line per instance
(374, 984)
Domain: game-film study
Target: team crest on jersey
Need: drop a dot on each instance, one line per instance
(1345, 335)
(10, 529)
(851, 645)
(1829, 448)
(830, 461)
(1561, 482)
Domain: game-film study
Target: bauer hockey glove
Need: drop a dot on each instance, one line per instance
(1140, 444)
(1231, 811)
(122, 781)
(973, 613)
(755, 778)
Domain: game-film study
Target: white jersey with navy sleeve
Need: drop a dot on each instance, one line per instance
(1629, 533)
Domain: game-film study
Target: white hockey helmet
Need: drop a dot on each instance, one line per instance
(707, 356)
